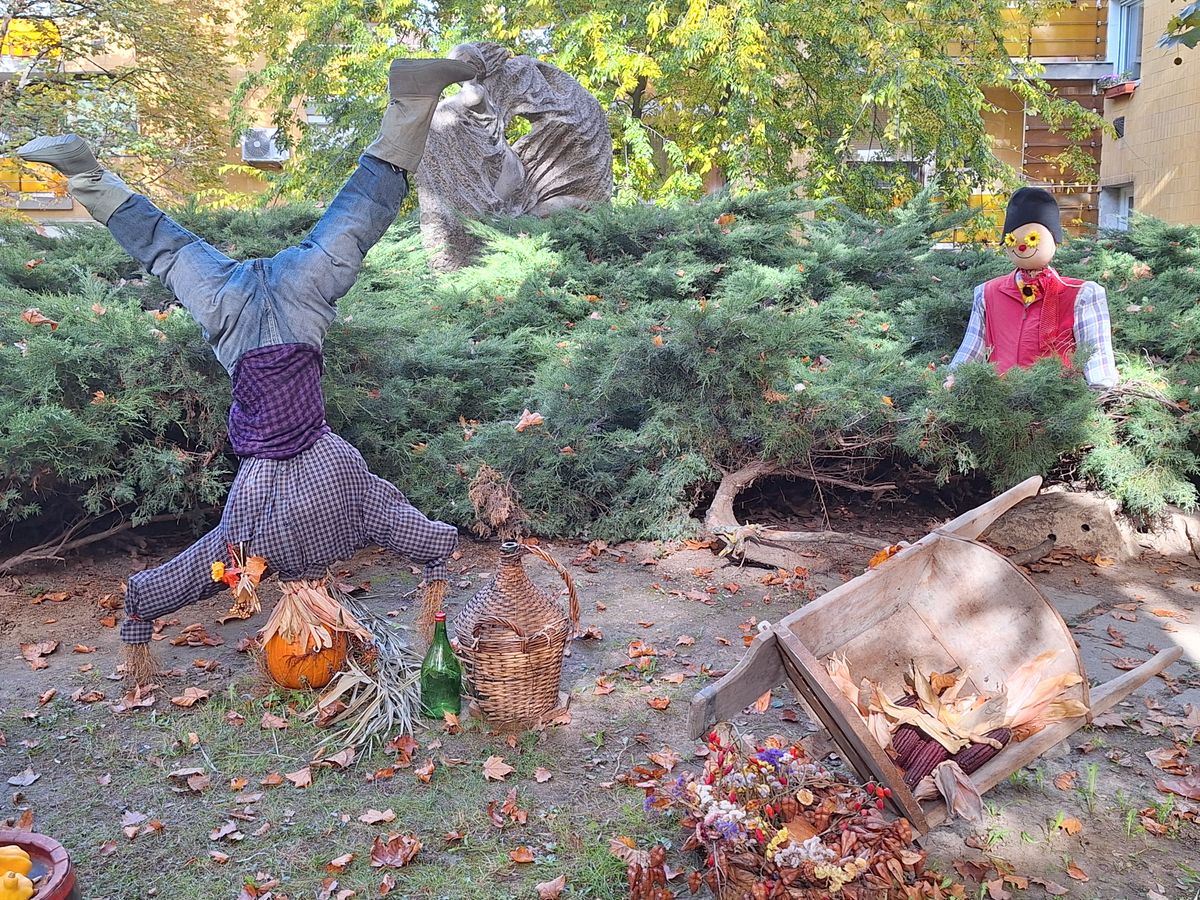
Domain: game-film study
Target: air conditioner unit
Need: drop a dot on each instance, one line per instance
(260, 150)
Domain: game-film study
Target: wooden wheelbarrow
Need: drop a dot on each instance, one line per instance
(946, 601)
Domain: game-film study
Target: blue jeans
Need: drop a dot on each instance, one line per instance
(286, 299)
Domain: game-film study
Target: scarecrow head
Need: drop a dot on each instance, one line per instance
(1032, 228)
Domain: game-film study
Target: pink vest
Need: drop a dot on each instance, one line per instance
(1020, 335)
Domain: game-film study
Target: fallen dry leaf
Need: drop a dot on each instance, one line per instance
(529, 420)
(1053, 888)
(227, 830)
(763, 703)
(1125, 663)
(551, 890)
(136, 699)
(521, 855)
(541, 776)
(1077, 873)
(34, 651)
(83, 648)
(339, 863)
(374, 816)
(996, 891)
(666, 757)
(674, 678)
(603, 686)
(1066, 781)
(395, 852)
(659, 703)
(33, 315)
(624, 849)
(1071, 825)
(496, 769)
(425, 772)
(191, 696)
(685, 640)
(1185, 787)
(24, 779)
(218, 857)
(340, 760)
(301, 778)
(271, 780)
(47, 696)
(270, 721)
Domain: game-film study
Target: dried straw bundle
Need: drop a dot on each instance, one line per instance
(378, 694)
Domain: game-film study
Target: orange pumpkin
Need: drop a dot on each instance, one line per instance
(297, 667)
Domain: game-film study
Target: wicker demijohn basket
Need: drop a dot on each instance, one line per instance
(511, 638)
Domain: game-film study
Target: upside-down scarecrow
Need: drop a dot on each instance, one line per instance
(303, 497)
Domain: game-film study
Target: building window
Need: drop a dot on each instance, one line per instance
(1125, 38)
(1119, 126)
(1116, 207)
(1125, 207)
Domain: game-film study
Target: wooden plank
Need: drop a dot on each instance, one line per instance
(1017, 756)
(846, 726)
(975, 522)
(759, 670)
(1109, 694)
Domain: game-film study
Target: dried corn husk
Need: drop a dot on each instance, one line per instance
(1034, 701)
(306, 615)
(953, 729)
(955, 787)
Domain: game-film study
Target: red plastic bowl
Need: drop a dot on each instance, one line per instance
(48, 855)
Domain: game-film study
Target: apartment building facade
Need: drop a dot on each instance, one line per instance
(1151, 165)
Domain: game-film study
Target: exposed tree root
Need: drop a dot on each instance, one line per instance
(64, 543)
(767, 546)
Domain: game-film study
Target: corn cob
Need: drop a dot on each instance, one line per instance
(907, 738)
(973, 757)
(924, 760)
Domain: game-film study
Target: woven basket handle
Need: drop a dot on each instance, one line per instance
(496, 620)
(572, 594)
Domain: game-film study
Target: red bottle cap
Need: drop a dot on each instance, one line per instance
(439, 616)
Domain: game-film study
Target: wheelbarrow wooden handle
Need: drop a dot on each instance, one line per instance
(975, 522)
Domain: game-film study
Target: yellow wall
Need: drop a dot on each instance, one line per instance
(1160, 152)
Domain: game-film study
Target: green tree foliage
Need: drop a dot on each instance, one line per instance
(661, 345)
(1183, 29)
(749, 87)
(141, 81)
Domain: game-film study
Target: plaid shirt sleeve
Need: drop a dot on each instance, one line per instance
(1094, 329)
(972, 349)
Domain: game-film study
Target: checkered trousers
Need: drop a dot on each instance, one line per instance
(301, 515)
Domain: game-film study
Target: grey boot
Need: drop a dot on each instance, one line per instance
(415, 86)
(98, 190)
(101, 193)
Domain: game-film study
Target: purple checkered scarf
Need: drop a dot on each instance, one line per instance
(278, 409)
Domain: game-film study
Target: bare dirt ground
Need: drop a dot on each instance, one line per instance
(1086, 821)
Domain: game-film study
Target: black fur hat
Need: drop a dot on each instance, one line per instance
(1029, 205)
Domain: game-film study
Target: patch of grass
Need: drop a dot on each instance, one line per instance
(108, 765)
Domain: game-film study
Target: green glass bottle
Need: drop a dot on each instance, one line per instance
(441, 675)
